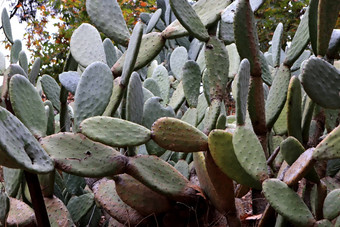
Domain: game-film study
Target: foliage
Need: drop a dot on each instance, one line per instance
(272, 13)
(66, 16)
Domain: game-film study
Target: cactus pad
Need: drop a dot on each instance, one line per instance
(19, 149)
(86, 45)
(98, 79)
(27, 105)
(106, 195)
(20, 214)
(140, 197)
(162, 178)
(152, 43)
(252, 160)
(321, 82)
(217, 60)
(287, 203)
(189, 19)
(108, 18)
(115, 132)
(70, 80)
(78, 155)
(328, 148)
(51, 90)
(176, 135)
(57, 212)
(222, 151)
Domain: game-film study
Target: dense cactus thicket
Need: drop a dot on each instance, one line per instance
(151, 138)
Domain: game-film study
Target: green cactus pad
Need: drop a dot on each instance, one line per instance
(321, 81)
(13, 179)
(328, 12)
(35, 71)
(328, 148)
(246, 36)
(23, 62)
(331, 206)
(277, 95)
(27, 105)
(98, 79)
(334, 44)
(313, 24)
(291, 149)
(191, 82)
(294, 109)
(266, 73)
(208, 11)
(15, 50)
(176, 135)
(153, 110)
(307, 118)
(189, 19)
(79, 206)
(162, 178)
(299, 42)
(276, 44)
(135, 99)
(205, 181)
(152, 85)
(4, 207)
(211, 116)
(152, 43)
(222, 151)
(19, 148)
(20, 214)
(78, 155)
(86, 45)
(131, 53)
(6, 24)
(110, 52)
(299, 168)
(114, 131)
(70, 80)
(190, 116)
(183, 167)
(252, 160)
(58, 214)
(234, 60)
(287, 203)
(177, 97)
(161, 76)
(106, 195)
(217, 61)
(241, 94)
(140, 197)
(108, 18)
(177, 60)
(153, 20)
(51, 90)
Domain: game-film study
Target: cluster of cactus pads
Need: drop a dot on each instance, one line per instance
(150, 139)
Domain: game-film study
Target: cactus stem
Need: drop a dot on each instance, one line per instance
(37, 199)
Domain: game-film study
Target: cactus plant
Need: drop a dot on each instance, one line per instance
(169, 95)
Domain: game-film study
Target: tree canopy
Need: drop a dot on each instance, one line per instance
(67, 15)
